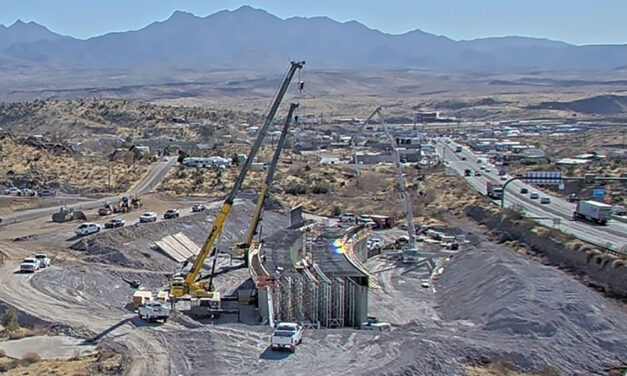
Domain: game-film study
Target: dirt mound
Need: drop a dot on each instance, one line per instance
(130, 246)
(554, 319)
(599, 105)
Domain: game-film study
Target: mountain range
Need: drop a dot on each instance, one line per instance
(249, 38)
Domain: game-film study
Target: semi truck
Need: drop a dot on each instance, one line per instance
(595, 212)
(494, 191)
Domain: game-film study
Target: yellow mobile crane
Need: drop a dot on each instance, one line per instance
(187, 285)
(241, 249)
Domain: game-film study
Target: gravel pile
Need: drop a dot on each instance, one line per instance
(130, 246)
(532, 314)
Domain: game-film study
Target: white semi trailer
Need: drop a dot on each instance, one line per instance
(596, 212)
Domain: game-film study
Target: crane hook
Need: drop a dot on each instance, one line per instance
(301, 83)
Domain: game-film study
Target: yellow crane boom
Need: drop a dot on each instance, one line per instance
(188, 285)
(242, 248)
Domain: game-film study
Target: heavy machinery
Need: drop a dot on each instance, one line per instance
(126, 204)
(241, 249)
(65, 215)
(409, 254)
(186, 284)
(107, 209)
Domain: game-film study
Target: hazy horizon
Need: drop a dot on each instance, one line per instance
(579, 23)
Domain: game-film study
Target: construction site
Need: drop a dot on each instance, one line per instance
(235, 222)
(206, 287)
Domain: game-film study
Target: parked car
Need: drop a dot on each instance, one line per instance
(148, 217)
(524, 190)
(365, 219)
(171, 213)
(47, 193)
(43, 259)
(287, 335)
(12, 191)
(198, 208)
(26, 192)
(29, 265)
(545, 200)
(115, 222)
(534, 196)
(87, 228)
(347, 217)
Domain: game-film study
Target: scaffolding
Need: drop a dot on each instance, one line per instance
(349, 309)
(337, 303)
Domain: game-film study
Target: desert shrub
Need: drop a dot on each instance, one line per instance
(6, 367)
(181, 174)
(17, 334)
(320, 188)
(294, 188)
(337, 210)
(31, 357)
(9, 320)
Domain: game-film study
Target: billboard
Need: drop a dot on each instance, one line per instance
(598, 193)
(543, 177)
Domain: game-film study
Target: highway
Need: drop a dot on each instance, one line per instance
(613, 236)
(155, 174)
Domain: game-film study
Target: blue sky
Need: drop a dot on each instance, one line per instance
(574, 21)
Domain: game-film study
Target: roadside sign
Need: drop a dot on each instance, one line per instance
(561, 187)
(543, 177)
(598, 193)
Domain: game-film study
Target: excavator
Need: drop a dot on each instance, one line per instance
(241, 249)
(186, 284)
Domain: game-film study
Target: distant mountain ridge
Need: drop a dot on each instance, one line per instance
(255, 39)
(21, 32)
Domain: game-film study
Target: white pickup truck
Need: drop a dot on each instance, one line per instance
(153, 311)
(286, 336)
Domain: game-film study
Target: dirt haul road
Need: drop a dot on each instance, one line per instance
(155, 174)
(87, 320)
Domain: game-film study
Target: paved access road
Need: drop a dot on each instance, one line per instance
(155, 174)
(612, 236)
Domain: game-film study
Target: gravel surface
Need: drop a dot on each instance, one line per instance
(533, 314)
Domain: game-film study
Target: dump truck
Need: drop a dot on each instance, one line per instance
(595, 212)
(494, 191)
